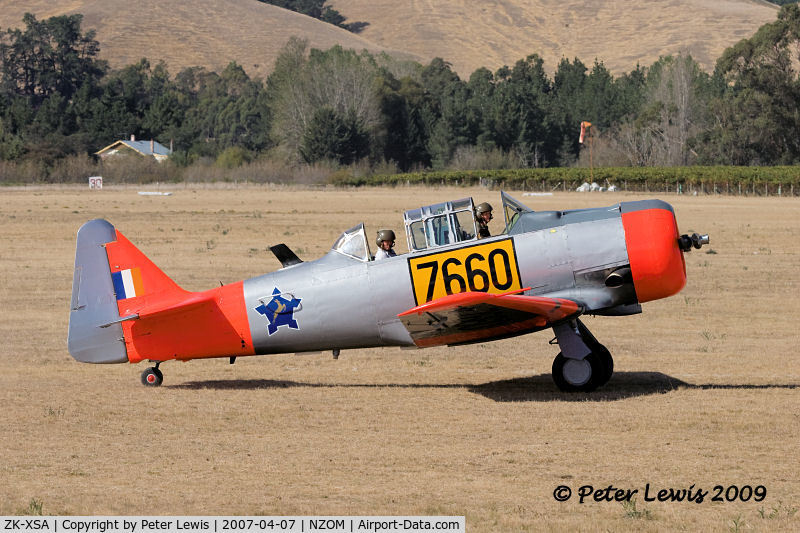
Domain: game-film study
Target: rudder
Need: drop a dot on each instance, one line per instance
(93, 302)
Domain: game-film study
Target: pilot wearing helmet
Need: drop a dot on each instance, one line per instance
(483, 214)
(385, 242)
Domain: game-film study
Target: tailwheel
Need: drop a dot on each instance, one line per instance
(579, 375)
(152, 377)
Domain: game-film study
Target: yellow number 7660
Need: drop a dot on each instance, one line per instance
(490, 267)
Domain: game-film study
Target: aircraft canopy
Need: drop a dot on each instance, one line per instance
(440, 224)
(512, 209)
(353, 243)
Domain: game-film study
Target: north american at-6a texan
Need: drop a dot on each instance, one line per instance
(545, 270)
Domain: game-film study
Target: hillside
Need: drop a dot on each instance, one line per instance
(620, 32)
(468, 34)
(208, 33)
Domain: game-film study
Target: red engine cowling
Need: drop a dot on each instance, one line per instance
(651, 236)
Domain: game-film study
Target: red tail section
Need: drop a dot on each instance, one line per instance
(161, 321)
(153, 285)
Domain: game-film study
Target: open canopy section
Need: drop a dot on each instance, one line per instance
(353, 243)
(512, 209)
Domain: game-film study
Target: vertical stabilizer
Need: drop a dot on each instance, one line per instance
(94, 301)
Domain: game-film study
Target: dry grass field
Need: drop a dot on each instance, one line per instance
(706, 389)
(470, 35)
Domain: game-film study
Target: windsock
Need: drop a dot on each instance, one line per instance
(584, 127)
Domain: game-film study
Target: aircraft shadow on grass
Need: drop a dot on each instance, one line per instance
(529, 389)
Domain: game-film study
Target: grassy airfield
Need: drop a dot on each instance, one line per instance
(706, 389)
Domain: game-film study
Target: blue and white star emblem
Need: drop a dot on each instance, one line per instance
(279, 311)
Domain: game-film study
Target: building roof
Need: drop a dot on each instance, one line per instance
(143, 147)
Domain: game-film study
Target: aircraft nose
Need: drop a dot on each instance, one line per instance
(651, 236)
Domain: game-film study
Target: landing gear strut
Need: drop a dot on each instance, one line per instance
(583, 363)
(152, 377)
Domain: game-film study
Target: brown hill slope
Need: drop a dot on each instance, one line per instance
(491, 33)
(622, 33)
(207, 33)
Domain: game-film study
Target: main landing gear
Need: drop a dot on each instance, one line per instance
(583, 363)
(152, 377)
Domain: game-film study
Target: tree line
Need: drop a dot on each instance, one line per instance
(341, 107)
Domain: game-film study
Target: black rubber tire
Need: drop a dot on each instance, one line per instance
(597, 372)
(600, 351)
(152, 377)
(607, 362)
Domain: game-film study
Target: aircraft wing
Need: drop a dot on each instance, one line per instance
(474, 316)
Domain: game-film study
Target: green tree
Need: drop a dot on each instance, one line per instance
(521, 107)
(481, 89)
(755, 113)
(303, 82)
(444, 111)
(330, 136)
(11, 146)
(46, 70)
(318, 10)
(401, 137)
(570, 106)
(233, 157)
(674, 111)
(218, 110)
(49, 57)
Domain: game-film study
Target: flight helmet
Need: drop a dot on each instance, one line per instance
(385, 235)
(483, 208)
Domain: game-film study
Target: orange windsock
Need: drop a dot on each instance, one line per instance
(584, 126)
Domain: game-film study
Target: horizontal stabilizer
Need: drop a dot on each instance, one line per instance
(202, 324)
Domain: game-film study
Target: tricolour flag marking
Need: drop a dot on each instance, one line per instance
(127, 283)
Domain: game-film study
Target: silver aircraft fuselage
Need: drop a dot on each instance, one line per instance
(348, 303)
